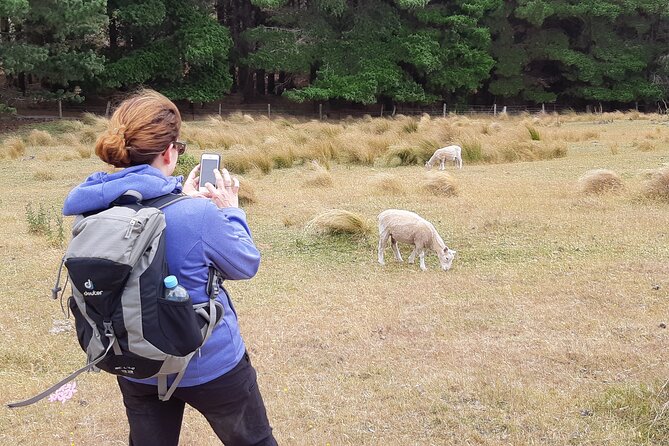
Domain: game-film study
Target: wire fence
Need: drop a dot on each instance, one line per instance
(321, 111)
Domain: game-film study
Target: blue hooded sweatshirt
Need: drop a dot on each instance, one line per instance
(198, 234)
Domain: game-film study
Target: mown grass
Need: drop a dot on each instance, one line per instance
(549, 329)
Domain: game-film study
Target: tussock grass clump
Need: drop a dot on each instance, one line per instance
(403, 155)
(12, 148)
(534, 133)
(60, 154)
(43, 175)
(386, 183)
(320, 149)
(600, 181)
(40, 138)
(210, 138)
(94, 120)
(241, 160)
(645, 146)
(410, 126)
(439, 183)
(552, 150)
(83, 151)
(339, 222)
(319, 178)
(472, 151)
(284, 158)
(657, 187)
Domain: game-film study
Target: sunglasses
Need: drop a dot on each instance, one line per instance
(180, 146)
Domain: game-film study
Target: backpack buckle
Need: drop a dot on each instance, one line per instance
(109, 331)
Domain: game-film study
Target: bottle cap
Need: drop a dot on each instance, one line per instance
(170, 281)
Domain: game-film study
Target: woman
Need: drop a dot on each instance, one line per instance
(209, 229)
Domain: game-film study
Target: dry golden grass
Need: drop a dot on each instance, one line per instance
(339, 221)
(439, 183)
(387, 183)
(550, 329)
(247, 194)
(40, 138)
(12, 148)
(599, 181)
(319, 178)
(657, 187)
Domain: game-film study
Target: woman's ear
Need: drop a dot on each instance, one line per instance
(167, 155)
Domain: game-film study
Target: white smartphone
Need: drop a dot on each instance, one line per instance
(208, 163)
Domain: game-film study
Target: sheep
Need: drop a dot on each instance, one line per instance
(451, 153)
(408, 227)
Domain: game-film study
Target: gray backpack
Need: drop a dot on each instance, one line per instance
(116, 263)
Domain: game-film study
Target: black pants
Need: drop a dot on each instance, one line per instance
(232, 405)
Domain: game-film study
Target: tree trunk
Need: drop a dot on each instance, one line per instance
(271, 84)
(260, 82)
(238, 16)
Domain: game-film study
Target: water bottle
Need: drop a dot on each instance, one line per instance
(174, 291)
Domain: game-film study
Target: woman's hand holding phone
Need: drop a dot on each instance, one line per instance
(226, 192)
(224, 195)
(192, 183)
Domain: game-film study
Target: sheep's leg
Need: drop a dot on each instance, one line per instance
(442, 165)
(383, 239)
(422, 260)
(412, 257)
(396, 250)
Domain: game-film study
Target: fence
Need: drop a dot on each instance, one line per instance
(306, 111)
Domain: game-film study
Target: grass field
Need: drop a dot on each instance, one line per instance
(550, 329)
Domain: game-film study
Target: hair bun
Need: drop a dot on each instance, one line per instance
(111, 148)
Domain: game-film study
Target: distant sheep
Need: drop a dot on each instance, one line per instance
(408, 227)
(450, 153)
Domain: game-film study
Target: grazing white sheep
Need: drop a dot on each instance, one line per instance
(408, 227)
(450, 153)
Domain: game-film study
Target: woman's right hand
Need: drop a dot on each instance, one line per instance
(192, 184)
(226, 192)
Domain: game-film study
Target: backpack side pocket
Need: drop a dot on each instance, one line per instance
(179, 325)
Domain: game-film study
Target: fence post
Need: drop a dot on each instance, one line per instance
(394, 109)
(220, 115)
(320, 111)
(381, 110)
(269, 111)
(494, 109)
(443, 110)
(543, 108)
(108, 109)
(60, 108)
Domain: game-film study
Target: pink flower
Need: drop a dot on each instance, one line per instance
(64, 392)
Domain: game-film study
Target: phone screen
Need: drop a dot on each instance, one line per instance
(207, 166)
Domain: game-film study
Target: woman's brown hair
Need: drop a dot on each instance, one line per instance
(142, 127)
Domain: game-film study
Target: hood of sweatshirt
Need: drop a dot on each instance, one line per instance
(101, 188)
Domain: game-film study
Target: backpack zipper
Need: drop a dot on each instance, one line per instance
(131, 226)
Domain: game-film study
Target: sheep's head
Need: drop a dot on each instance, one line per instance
(428, 166)
(446, 258)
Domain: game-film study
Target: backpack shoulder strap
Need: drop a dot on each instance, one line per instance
(164, 200)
